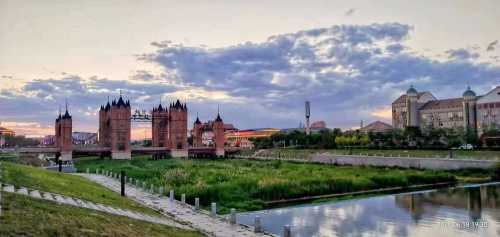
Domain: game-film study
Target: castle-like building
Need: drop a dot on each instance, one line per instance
(169, 128)
(423, 109)
(63, 137)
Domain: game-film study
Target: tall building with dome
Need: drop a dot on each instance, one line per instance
(423, 109)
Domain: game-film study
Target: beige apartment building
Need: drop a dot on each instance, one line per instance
(423, 109)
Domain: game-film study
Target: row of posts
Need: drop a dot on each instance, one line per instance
(232, 220)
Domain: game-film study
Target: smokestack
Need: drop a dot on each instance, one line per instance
(308, 113)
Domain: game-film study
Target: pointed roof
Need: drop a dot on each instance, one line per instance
(66, 115)
(108, 106)
(127, 103)
(197, 119)
(121, 102)
(185, 105)
(178, 105)
(377, 126)
(160, 108)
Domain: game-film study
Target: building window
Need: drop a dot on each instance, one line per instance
(460, 114)
(450, 114)
(424, 116)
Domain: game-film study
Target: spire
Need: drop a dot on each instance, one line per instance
(66, 115)
(197, 119)
(218, 119)
(120, 92)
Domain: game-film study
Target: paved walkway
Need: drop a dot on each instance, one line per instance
(61, 199)
(199, 220)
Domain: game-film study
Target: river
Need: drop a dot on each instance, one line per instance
(471, 210)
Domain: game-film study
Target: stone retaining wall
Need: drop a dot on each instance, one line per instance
(423, 163)
(65, 168)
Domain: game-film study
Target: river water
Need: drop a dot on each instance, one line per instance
(444, 212)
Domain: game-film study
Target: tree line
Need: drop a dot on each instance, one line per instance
(411, 136)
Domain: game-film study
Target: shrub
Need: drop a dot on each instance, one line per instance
(496, 171)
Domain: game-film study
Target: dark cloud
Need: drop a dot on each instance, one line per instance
(461, 54)
(350, 12)
(395, 48)
(348, 70)
(492, 45)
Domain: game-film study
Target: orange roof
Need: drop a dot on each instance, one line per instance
(377, 127)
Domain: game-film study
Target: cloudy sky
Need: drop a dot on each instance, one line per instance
(257, 60)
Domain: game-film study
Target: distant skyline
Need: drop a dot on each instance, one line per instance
(258, 60)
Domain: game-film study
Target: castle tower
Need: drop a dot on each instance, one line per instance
(160, 119)
(178, 130)
(411, 107)
(197, 133)
(57, 132)
(105, 125)
(120, 123)
(66, 136)
(218, 136)
(469, 106)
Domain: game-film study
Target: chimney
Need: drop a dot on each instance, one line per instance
(308, 113)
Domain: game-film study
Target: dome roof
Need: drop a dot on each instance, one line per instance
(411, 90)
(469, 92)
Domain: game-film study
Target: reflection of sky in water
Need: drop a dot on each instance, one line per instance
(400, 215)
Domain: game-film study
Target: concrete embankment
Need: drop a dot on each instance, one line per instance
(404, 162)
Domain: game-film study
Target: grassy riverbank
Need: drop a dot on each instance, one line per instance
(25, 216)
(248, 184)
(464, 154)
(24, 159)
(66, 184)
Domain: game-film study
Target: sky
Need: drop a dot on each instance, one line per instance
(257, 61)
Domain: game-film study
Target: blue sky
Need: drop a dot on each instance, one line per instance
(258, 60)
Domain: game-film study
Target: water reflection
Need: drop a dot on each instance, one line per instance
(415, 214)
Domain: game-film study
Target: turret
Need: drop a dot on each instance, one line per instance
(218, 135)
(469, 108)
(411, 107)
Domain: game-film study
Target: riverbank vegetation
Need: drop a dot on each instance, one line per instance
(310, 153)
(412, 137)
(248, 184)
(25, 216)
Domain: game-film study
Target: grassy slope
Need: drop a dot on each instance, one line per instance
(66, 184)
(394, 153)
(247, 184)
(25, 216)
(23, 159)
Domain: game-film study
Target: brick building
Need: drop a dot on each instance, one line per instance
(423, 109)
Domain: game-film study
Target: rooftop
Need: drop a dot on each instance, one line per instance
(402, 98)
(377, 126)
(443, 104)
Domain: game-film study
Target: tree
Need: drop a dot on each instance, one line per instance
(338, 141)
(365, 141)
(354, 140)
(147, 143)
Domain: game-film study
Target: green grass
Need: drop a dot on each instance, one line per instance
(348, 197)
(66, 184)
(24, 159)
(247, 184)
(464, 154)
(25, 216)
